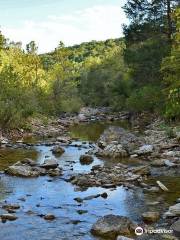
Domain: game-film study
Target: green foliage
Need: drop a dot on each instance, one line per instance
(171, 70)
(20, 80)
(138, 73)
(148, 98)
(105, 81)
(83, 52)
(63, 83)
(145, 60)
(31, 47)
(2, 41)
(148, 38)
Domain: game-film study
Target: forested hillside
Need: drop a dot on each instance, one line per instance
(140, 72)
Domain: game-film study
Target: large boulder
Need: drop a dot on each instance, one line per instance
(173, 211)
(113, 150)
(21, 170)
(128, 140)
(110, 226)
(28, 168)
(176, 228)
(49, 164)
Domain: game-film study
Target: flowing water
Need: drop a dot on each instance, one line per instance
(55, 195)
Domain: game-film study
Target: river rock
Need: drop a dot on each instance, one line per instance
(81, 181)
(169, 163)
(128, 140)
(123, 238)
(3, 141)
(173, 211)
(29, 162)
(110, 226)
(58, 150)
(55, 172)
(141, 170)
(104, 195)
(88, 111)
(176, 228)
(49, 164)
(113, 150)
(21, 170)
(9, 207)
(151, 216)
(145, 149)
(158, 163)
(86, 159)
(81, 117)
(49, 217)
(96, 167)
(80, 212)
(65, 140)
(172, 154)
(8, 216)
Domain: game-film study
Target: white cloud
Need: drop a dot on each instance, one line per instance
(95, 23)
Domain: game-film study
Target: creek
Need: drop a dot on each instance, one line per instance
(43, 195)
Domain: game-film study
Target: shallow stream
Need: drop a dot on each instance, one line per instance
(56, 195)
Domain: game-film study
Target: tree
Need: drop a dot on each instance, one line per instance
(2, 41)
(171, 70)
(105, 81)
(31, 47)
(149, 17)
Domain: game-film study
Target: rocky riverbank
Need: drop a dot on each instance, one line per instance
(153, 152)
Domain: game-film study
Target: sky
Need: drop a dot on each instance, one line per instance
(72, 21)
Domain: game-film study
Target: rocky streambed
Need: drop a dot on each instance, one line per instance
(103, 188)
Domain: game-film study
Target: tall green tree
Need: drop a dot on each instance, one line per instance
(2, 41)
(171, 71)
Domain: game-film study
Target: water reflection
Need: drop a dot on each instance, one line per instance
(4, 189)
(55, 195)
(92, 131)
(10, 156)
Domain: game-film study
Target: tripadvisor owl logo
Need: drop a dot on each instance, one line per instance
(139, 231)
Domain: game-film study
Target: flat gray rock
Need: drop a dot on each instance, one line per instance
(110, 226)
